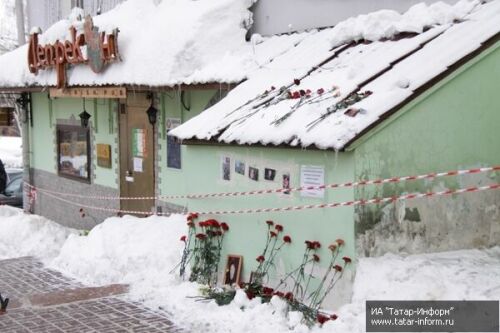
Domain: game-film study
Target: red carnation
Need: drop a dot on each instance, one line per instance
(183, 238)
(269, 223)
(322, 318)
(224, 226)
(81, 210)
(273, 87)
(203, 224)
(296, 95)
(279, 294)
(320, 91)
(302, 92)
(287, 239)
(192, 216)
(316, 257)
(250, 294)
(260, 258)
(218, 233)
(289, 296)
(201, 236)
(267, 291)
(338, 268)
(212, 223)
(309, 244)
(340, 242)
(296, 81)
(316, 244)
(332, 247)
(334, 317)
(273, 234)
(190, 224)
(347, 260)
(278, 227)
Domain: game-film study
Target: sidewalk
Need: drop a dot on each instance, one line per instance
(42, 300)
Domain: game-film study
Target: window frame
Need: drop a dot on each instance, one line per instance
(80, 129)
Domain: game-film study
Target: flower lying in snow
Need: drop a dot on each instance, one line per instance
(320, 91)
(287, 239)
(334, 317)
(267, 291)
(296, 81)
(322, 318)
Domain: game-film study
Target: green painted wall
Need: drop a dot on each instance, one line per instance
(43, 133)
(454, 125)
(202, 173)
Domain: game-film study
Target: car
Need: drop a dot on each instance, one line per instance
(13, 194)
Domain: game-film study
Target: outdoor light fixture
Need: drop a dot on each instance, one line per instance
(84, 116)
(152, 111)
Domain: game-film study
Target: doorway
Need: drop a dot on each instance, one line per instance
(137, 177)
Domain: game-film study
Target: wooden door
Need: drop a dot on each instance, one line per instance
(136, 154)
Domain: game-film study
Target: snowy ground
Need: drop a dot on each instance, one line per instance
(142, 252)
(11, 152)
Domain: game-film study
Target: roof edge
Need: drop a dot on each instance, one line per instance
(422, 89)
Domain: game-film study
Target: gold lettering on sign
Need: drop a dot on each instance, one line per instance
(101, 49)
(108, 92)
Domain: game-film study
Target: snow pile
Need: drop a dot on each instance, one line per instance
(456, 275)
(11, 152)
(385, 67)
(142, 252)
(124, 250)
(29, 235)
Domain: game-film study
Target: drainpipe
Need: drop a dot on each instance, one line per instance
(24, 103)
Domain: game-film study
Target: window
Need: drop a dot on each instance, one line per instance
(73, 152)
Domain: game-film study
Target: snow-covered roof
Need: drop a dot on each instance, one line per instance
(347, 78)
(161, 43)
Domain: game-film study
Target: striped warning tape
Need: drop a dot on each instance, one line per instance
(281, 190)
(304, 207)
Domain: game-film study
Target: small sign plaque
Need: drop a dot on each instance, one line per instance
(96, 92)
(104, 155)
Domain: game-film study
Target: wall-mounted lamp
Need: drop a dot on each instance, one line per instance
(152, 111)
(84, 116)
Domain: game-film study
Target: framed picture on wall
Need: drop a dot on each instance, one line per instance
(233, 269)
(253, 173)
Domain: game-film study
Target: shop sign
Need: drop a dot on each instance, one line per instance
(100, 50)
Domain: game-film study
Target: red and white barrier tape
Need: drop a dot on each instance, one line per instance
(281, 190)
(294, 208)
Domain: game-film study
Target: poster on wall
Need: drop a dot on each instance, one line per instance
(226, 168)
(139, 142)
(311, 175)
(103, 155)
(173, 145)
(286, 183)
(239, 167)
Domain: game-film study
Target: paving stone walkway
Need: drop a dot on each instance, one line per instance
(42, 300)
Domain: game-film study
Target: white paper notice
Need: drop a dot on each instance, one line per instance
(311, 175)
(138, 164)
